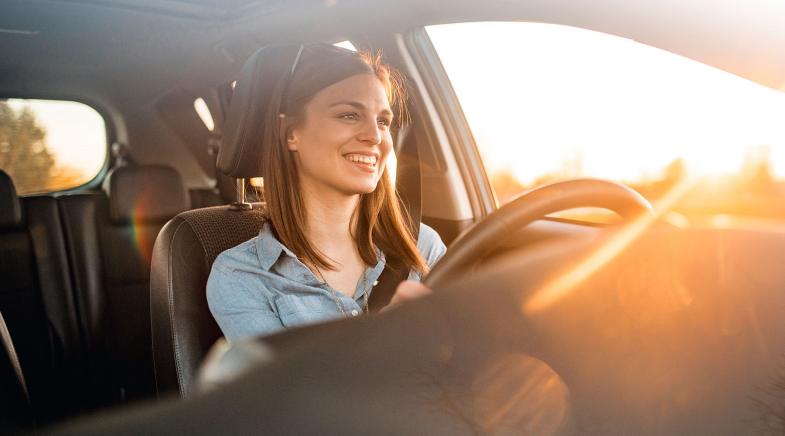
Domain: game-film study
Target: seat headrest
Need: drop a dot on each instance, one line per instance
(10, 207)
(145, 194)
(240, 152)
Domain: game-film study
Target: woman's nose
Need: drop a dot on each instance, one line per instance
(371, 132)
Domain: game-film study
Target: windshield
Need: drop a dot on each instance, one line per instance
(549, 102)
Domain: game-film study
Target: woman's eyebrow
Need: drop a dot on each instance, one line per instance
(357, 105)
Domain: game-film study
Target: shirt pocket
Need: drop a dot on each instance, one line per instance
(299, 310)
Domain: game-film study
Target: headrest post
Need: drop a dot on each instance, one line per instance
(241, 203)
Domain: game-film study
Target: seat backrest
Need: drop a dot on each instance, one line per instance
(15, 412)
(112, 235)
(183, 328)
(36, 300)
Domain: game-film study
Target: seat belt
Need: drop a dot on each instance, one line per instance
(408, 183)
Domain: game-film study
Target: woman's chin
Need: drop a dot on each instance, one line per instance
(363, 189)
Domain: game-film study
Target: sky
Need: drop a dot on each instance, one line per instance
(538, 96)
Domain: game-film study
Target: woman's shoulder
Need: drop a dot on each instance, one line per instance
(241, 255)
(430, 244)
(428, 236)
(232, 272)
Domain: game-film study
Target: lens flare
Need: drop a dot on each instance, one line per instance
(562, 285)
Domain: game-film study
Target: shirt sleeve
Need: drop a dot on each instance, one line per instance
(431, 247)
(239, 307)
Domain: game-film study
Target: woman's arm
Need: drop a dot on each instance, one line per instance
(431, 247)
(240, 309)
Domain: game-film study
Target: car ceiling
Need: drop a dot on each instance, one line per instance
(113, 48)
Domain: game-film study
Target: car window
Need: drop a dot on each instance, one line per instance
(550, 102)
(48, 145)
(201, 108)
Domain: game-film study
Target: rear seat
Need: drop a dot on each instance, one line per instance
(36, 300)
(110, 236)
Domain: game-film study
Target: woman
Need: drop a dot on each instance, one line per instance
(333, 214)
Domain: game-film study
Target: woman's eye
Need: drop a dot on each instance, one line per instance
(349, 116)
(385, 122)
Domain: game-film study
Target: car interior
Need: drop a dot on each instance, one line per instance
(103, 316)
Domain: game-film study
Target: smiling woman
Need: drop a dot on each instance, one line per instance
(333, 216)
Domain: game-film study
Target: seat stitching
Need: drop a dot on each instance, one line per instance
(170, 301)
(195, 226)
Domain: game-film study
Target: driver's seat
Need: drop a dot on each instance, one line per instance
(182, 327)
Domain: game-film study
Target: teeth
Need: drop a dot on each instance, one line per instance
(361, 158)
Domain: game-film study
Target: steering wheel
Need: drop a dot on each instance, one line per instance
(530, 206)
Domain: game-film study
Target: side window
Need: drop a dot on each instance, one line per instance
(549, 102)
(48, 145)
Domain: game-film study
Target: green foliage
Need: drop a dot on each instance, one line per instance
(23, 152)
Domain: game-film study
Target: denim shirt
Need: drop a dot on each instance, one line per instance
(260, 287)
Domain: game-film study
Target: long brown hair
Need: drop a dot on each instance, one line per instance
(381, 221)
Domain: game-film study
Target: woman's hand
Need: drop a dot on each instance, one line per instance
(406, 291)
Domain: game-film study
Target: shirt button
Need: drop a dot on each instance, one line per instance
(375, 283)
(355, 312)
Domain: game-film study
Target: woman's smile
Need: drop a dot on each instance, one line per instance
(364, 162)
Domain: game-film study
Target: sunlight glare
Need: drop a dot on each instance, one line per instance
(562, 285)
(549, 98)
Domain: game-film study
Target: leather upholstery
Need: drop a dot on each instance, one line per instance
(44, 224)
(183, 328)
(66, 373)
(240, 153)
(10, 209)
(111, 241)
(37, 303)
(145, 194)
(80, 221)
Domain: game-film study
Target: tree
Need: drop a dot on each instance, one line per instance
(23, 152)
(506, 185)
(675, 171)
(756, 167)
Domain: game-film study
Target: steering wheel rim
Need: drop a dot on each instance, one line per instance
(530, 206)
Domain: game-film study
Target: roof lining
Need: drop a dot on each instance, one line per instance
(187, 10)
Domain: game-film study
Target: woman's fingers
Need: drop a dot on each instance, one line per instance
(408, 290)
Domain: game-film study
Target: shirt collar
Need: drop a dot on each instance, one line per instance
(269, 248)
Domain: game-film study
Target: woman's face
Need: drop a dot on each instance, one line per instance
(341, 145)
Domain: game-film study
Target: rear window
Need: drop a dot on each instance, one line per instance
(50, 145)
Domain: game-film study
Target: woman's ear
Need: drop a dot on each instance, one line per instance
(291, 140)
(291, 137)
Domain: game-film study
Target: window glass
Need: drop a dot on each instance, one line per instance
(48, 145)
(346, 44)
(204, 113)
(548, 102)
